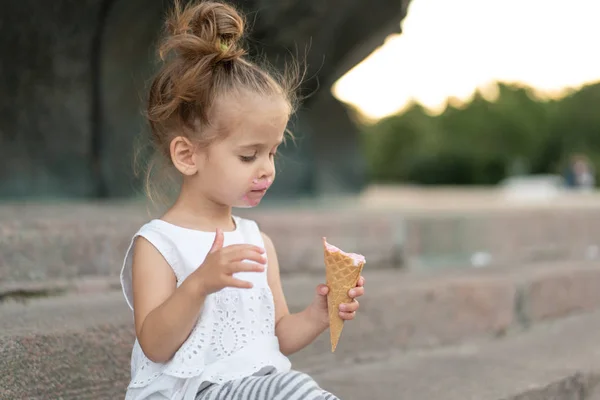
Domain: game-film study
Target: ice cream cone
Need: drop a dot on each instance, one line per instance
(342, 272)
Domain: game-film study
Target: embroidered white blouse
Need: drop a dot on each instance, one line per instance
(235, 334)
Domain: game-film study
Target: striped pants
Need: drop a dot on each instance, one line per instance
(292, 385)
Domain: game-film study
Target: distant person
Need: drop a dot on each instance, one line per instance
(210, 315)
(579, 174)
(569, 177)
(584, 175)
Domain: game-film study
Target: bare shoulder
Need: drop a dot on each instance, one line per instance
(153, 280)
(273, 263)
(269, 246)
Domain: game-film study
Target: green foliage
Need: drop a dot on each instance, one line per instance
(484, 141)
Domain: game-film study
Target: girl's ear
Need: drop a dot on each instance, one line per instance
(183, 155)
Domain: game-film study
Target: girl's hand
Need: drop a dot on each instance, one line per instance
(221, 263)
(319, 310)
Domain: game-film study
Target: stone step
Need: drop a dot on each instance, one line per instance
(58, 243)
(61, 242)
(68, 344)
(558, 360)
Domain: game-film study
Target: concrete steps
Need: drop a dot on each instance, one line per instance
(77, 345)
(553, 361)
(41, 244)
(71, 347)
(65, 331)
(58, 243)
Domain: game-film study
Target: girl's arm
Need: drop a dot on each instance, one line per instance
(294, 331)
(164, 313)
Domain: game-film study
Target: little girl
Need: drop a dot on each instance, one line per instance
(211, 319)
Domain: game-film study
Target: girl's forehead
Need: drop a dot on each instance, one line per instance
(249, 107)
(254, 117)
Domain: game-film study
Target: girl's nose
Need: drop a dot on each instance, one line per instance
(267, 169)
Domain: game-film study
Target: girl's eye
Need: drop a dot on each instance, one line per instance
(248, 158)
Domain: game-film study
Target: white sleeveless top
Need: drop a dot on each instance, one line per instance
(235, 334)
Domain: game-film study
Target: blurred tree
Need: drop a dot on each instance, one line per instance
(399, 141)
(484, 141)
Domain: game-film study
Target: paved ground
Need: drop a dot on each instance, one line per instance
(415, 199)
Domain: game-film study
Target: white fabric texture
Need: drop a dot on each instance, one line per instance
(235, 334)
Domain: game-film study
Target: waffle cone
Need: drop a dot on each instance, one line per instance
(342, 274)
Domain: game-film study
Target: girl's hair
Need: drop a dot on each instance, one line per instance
(202, 59)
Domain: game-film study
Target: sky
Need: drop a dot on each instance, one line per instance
(449, 48)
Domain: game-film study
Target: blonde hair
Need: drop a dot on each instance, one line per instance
(202, 59)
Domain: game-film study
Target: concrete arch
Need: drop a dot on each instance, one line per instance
(125, 63)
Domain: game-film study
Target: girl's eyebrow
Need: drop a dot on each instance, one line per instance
(258, 145)
(252, 146)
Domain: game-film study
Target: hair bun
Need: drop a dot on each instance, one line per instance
(205, 29)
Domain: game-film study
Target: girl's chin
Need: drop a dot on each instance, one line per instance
(243, 205)
(249, 201)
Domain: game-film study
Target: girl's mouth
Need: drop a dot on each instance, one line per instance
(260, 187)
(254, 196)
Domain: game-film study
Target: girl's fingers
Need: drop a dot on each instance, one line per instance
(238, 250)
(250, 254)
(322, 290)
(347, 316)
(245, 267)
(349, 307)
(356, 292)
(238, 283)
(361, 281)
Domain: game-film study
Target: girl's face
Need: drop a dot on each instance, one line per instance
(237, 170)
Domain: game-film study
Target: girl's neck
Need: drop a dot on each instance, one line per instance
(195, 211)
